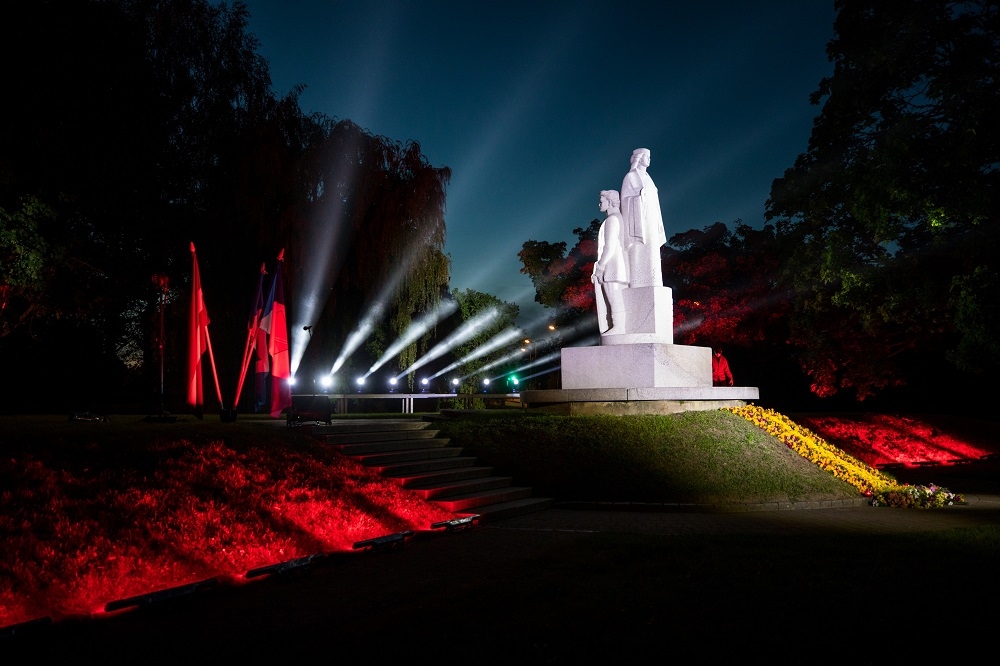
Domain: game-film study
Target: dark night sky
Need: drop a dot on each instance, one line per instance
(537, 106)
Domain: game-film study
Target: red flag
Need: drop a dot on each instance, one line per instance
(275, 324)
(197, 335)
(199, 340)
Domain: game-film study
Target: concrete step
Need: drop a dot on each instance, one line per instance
(492, 512)
(377, 436)
(470, 501)
(408, 455)
(387, 446)
(464, 487)
(440, 476)
(369, 425)
(427, 465)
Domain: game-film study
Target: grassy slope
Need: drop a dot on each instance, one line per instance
(710, 457)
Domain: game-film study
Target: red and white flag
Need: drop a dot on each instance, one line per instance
(274, 322)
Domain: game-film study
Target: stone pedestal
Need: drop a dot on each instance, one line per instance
(640, 365)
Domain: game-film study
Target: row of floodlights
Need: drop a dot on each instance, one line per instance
(327, 381)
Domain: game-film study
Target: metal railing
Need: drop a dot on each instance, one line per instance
(408, 400)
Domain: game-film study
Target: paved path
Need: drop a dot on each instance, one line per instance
(980, 509)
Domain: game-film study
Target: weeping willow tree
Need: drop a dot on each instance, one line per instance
(383, 205)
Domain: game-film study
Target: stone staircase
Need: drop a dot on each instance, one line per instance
(409, 452)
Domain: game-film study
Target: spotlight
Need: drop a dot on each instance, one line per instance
(457, 524)
(161, 595)
(486, 382)
(284, 567)
(392, 381)
(388, 542)
(326, 381)
(361, 381)
(424, 381)
(291, 381)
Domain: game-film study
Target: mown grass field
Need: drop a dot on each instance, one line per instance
(710, 457)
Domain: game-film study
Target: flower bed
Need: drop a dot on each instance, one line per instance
(882, 488)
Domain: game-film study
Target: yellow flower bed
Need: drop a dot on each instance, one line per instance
(814, 448)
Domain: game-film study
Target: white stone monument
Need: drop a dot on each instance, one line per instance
(637, 369)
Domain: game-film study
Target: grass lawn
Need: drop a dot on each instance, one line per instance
(707, 457)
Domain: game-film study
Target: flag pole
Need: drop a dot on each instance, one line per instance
(211, 358)
(248, 348)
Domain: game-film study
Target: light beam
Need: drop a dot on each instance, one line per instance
(461, 334)
(415, 330)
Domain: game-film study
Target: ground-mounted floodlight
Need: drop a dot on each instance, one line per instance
(27, 627)
(387, 542)
(457, 524)
(161, 595)
(285, 567)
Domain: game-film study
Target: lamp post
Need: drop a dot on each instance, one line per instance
(162, 283)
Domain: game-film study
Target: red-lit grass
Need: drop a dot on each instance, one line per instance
(880, 439)
(88, 520)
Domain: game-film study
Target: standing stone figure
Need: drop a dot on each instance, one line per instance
(610, 271)
(644, 234)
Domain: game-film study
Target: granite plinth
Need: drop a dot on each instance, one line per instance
(667, 400)
(641, 365)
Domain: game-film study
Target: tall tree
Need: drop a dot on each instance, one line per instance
(562, 280)
(725, 286)
(144, 125)
(890, 217)
(384, 204)
(493, 341)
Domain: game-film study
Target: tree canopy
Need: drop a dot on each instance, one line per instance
(561, 279)
(889, 220)
(724, 282)
(143, 125)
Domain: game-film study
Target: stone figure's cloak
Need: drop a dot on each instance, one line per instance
(641, 210)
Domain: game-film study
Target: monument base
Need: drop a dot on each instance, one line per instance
(575, 402)
(641, 365)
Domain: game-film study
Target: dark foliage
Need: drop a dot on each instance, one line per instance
(889, 220)
(140, 126)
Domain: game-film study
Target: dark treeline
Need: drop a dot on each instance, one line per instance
(876, 277)
(132, 128)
